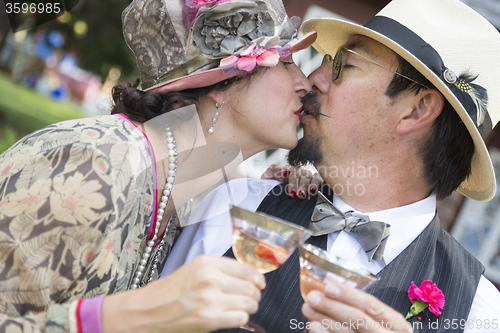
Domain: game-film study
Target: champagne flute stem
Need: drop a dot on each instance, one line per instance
(252, 327)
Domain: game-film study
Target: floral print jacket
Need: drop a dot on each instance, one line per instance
(76, 200)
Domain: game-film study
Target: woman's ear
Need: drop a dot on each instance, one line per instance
(217, 96)
(427, 107)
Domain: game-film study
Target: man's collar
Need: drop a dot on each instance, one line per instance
(394, 215)
(407, 222)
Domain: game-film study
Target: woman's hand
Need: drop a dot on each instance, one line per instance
(207, 294)
(301, 181)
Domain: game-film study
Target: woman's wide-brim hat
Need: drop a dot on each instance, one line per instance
(186, 44)
(447, 42)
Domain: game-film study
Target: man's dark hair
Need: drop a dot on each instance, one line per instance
(447, 153)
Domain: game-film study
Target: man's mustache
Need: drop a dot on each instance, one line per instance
(312, 105)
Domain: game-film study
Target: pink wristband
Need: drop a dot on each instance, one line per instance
(90, 314)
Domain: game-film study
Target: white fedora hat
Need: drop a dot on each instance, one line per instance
(444, 40)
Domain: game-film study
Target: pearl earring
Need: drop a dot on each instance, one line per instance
(216, 117)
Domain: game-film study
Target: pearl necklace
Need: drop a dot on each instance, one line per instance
(139, 278)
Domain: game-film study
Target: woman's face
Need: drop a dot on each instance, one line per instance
(265, 107)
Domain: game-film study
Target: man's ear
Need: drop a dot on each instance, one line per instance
(426, 108)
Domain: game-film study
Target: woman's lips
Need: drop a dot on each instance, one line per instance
(306, 115)
(298, 113)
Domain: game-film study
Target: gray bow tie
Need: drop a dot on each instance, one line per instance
(372, 236)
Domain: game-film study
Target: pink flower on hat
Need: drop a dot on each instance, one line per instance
(253, 56)
(209, 2)
(195, 5)
(428, 294)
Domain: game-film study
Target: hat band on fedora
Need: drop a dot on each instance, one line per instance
(472, 96)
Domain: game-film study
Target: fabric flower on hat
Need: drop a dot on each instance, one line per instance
(193, 6)
(229, 28)
(427, 295)
(253, 56)
(208, 2)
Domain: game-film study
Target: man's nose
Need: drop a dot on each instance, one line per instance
(321, 78)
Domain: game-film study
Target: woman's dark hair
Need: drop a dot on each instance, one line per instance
(447, 153)
(142, 106)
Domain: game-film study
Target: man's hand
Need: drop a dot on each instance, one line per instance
(344, 309)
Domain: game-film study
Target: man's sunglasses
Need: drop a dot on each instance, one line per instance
(339, 58)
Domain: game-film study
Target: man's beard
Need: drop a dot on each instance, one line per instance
(308, 149)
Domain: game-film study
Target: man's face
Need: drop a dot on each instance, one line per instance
(361, 119)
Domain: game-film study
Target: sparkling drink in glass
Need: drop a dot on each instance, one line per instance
(317, 266)
(264, 241)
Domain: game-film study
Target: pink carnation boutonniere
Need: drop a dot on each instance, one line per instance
(427, 295)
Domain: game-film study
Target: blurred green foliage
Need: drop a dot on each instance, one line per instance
(103, 46)
(8, 136)
(23, 111)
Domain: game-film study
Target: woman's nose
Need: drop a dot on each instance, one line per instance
(301, 82)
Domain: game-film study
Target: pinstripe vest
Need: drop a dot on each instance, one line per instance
(433, 255)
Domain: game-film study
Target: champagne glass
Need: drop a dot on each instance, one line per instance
(264, 241)
(317, 266)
